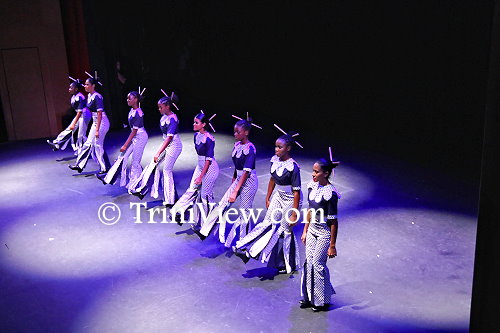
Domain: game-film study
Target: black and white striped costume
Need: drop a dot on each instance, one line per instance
(136, 149)
(275, 242)
(316, 285)
(243, 156)
(79, 104)
(169, 125)
(204, 144)
(95, 146)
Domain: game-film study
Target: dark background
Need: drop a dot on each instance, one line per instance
(406, 80)
(402, 78)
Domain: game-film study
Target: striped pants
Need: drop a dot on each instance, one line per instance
(206, 192)
(95, 146)
(245, 196)
(264, 238)
(208, 181)
(136, 149)
(68, 135)
(316, 285)
(172, 152)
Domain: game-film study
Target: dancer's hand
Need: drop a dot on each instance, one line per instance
(232, 197)
(293, 219)
(268, 202)
(197, 181)
(123, 149)
(97, 134)
(332, 252)
(157, 156)
(72, 127)
(303, 238)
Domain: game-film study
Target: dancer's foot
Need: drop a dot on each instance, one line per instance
(140, 195)
(198, 233)
(54, 146)
(304, 304)
(282, 270)
(241, 254)
(178, 219)
(320, 307)
(75, 167)
(101, 178)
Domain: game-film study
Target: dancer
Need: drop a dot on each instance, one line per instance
(319, 237)
(168, 152)
(273, 239)
(200, 194)
(78, 125)
(134, 145)
(243, 185)
(100, 126)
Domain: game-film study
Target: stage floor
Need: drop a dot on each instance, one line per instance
(405, 251)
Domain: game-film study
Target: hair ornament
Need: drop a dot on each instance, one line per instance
(94, 77)
(294, 135)
(248, 119)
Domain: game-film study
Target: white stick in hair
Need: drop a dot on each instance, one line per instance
(202, 111)
(213, 129)
(247, 120)
(139, 90)
(280, 129)
(72, 79)
(247, 117)
(330, 151)
(164, 93)
(97, 79)
(172, 97)
(174, 105)
(298, 144)
(143, 90)
(209, 119)
(89, 74)
(296, 134)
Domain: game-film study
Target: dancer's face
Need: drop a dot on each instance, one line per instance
(72, 89)
(281, 149)
(164, 109)
(197, 125)
(239, 133)
(132, 100)
(319, 175)
(89, 87)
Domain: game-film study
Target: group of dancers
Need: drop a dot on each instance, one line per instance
(271, 241)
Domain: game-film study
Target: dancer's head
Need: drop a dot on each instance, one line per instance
(242, 129)
(133, 99)
(200, 122)
(322, 170)
(90, 84)
(166, 104)
(74, 87)
(284, 145)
